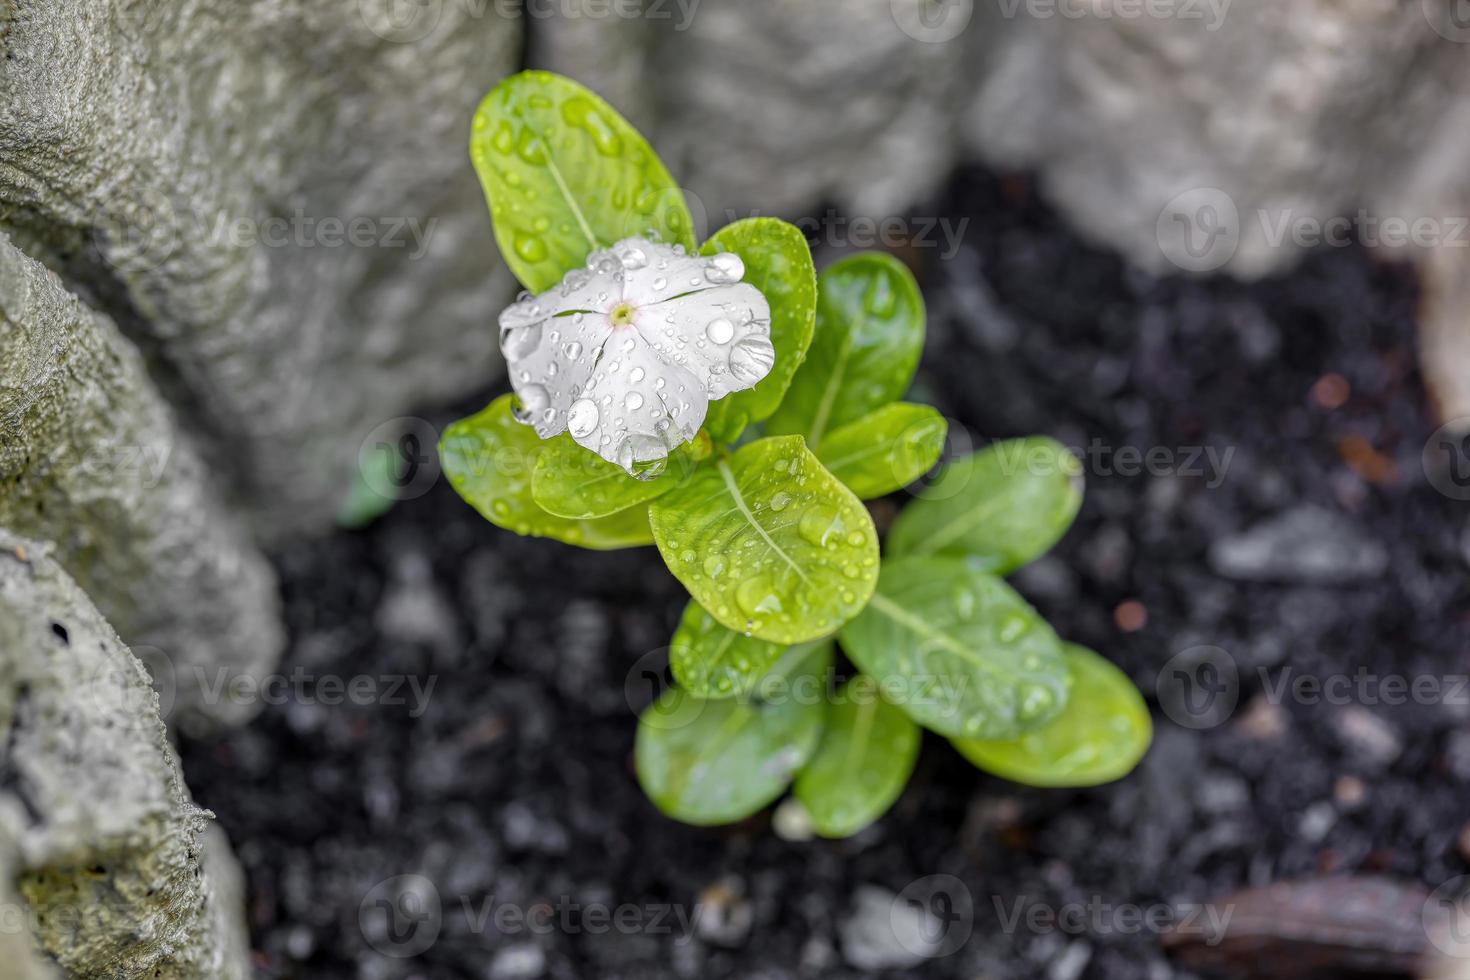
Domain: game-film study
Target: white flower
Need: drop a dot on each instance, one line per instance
(627, 353)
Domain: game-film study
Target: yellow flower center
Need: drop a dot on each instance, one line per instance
(622, 315)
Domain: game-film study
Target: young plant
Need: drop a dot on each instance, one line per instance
(719, 401)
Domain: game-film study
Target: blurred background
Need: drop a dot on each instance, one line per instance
(1220, 248)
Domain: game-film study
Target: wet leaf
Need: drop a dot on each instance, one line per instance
(958, 650)
(869, 333)
(569, 481)
(1100, 736)
(565, 175)
(864, 760)
(489, 458)
(778, 262)
(1001, 507)
(718, 761)
(713, 661)
(769, 542)
(885, 450)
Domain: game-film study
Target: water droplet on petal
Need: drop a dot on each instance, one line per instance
(725, 268)
(720, 331)
(517, 342)
(751, 359)
(530, 402)
(636, 375)
(582, 418)
(573, 350)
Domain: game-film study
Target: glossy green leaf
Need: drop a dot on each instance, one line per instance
(718, 761)
(570, 481)
(489, 459)
(1101, 735)
(864, 760)
(769, 542)
(885, 450)
(958, 650)
(712, 661)
(869, 333)
(1001, 507)
(564, 174)
(778, 262)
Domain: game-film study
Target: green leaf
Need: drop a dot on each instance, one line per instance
(1101, 736)
(489, 459)
(718, 761)
(865, 757)
(1001, 507)
(958, 650)
(778, 262)
(570, 481)
(712, 661)
(564, 175)
(885, 450)
(870, 331)
(769, 542)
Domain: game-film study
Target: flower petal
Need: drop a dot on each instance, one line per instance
(722, 334)
(637, 408)
(551, 342)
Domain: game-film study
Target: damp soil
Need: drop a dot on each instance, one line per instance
(512, 791)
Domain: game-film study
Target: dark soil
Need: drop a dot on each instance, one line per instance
(515, 787)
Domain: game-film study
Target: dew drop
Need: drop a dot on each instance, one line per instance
(517, 342)
(582, 418)
(636, 375)
(720, 331)
(530, 402)
(820, 525)
(633, 401)
(714, 566)
(751, 359)
(780, 501)
(573, 349)
(724, 268)
(757, 596)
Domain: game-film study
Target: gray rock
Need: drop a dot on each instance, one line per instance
(276, 202)
(1253, 108)
(92, 460)
(112, 854)
(1304, 544)
(520, 961)
(775, 107)
(1373, 740)
(884, 933)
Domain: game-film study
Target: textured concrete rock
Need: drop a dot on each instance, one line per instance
(779, 106)
(112, 854)
(275, 200)
(91, 458)
(1223, 120)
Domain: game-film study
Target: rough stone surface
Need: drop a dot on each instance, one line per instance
(1304, 544)
(91, 459)
(1307, 110)
(275, 200)
(112, 854)
(777, 107)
